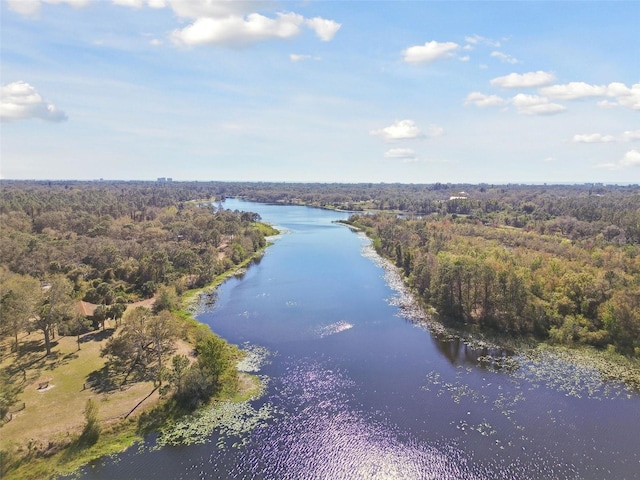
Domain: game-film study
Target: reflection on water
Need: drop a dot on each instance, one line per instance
(459, 351)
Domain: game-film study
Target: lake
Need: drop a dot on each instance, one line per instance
(356, 387)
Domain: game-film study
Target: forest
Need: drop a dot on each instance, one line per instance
(76, 256)
(565, 271)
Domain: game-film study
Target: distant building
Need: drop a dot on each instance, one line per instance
(459, 196)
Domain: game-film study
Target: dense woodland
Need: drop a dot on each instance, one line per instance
(110, 244)
(566, 270)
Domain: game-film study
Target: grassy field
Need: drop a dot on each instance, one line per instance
(56, 390)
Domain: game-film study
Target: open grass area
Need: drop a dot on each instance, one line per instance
(55, 391)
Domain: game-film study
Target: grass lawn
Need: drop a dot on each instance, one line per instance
(53, 416)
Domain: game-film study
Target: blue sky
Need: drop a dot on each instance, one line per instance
(321, 91)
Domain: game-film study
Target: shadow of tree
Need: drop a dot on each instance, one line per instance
(102, 381)
(98, 335)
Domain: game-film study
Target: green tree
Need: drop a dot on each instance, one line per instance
(162, 331)
(167, 299)
(180, 364)
(57, 306)
(92, 428)
(20, 296)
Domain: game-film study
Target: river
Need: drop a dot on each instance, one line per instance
(357, 389)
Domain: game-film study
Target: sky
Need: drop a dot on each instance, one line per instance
(321, 91)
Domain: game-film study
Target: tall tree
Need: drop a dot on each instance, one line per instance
(57, 306)
(20, 295)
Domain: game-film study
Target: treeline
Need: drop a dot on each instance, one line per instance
(515, 280)
(575, 211)
(119, 241)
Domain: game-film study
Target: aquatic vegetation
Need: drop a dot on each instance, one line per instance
(232, 419)
(255, 358)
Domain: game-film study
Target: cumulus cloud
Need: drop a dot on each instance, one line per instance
(622, 95)
(222, 22)
(235, 30)
(30, 7)
(535, 105)
(630, 159)
(503, 57)
(524, 104)
(214, 8)
(406, 154)
(593, 138)
(406, 130)
(430, 52)
(626, 136)
(325, 29)
(524, 80)
(574, 90)
(400, 130)
(481, 100)
(20, 101)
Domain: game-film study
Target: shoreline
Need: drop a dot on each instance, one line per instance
(611, 367)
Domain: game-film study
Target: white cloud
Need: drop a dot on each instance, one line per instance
(524, 80)
(593, 138)
(236, 30)
(222, 22)
(481, 100)
(294, 57)
(623, 96)
(20, 101)
(325, 29)
(630, 135)
(477, 39)
(195, 9)
(406, 130)
(406, 154)
(574, 90)
(400, 130)
(505, 57)
(30, 7)
(630, 159)
(626, 136)
(535, 105)
(626, 96)
(430, 52)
